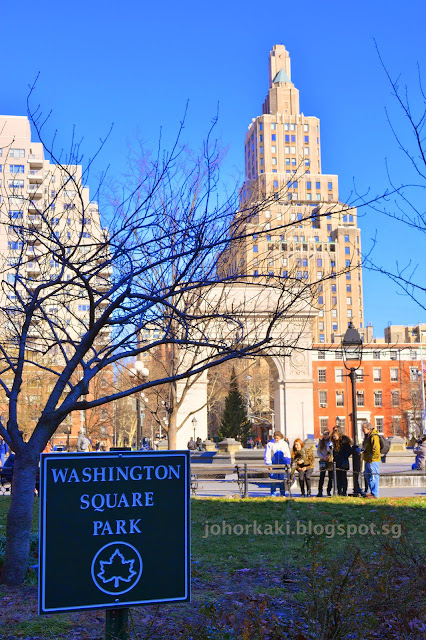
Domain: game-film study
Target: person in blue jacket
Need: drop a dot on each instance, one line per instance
(277, 452)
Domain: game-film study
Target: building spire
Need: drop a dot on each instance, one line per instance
(279, 59)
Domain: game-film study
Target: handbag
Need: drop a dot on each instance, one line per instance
(323, 465)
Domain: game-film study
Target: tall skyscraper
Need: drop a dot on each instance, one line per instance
(304, 233)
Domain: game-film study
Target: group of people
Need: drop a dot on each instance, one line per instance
(334, 450)
(195, 445)
(255, 443)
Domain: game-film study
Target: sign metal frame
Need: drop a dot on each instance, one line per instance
(127, 549)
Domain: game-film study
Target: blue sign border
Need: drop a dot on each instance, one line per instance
(117, 455)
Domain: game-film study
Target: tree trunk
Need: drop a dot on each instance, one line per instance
(172, 433)
(19, 521)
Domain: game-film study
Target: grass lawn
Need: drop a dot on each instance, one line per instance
(266, 566)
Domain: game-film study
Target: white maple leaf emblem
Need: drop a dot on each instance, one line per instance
(116, 568)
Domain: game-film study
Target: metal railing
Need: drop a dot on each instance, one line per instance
(244, 474)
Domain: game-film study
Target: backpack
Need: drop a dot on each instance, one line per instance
(384, 444)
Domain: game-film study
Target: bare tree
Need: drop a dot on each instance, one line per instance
(406, 207)
(77, 296)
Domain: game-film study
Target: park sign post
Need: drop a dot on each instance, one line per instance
(114, 529)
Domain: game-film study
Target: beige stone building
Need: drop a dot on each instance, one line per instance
(301, 231)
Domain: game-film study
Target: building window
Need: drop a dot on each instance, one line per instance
(338, 355)
(359, 375)
(376, 355)
(379, 424)
(274, 137)
(413, 374)
(393, 355)
(305, 127)
(338, 375)
(396, 425)
(16, 168)
(377, 375)
(340, 422)
(378, 399)
(394, 375)
(413, 354)
(360, 399)
(322, 375)
(323, 424)
(340, 398)
(16, 153)
(321, 355)
(322, 399)
(395, 398)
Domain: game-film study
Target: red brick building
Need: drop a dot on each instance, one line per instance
(388, 389)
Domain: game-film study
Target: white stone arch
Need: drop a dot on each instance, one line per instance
(291, 368)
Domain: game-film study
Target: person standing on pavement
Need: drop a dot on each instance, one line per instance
(342, 449)
(303, 461)
(191, 444)
(420, 451)
(325, 454)
(371, 457)
(277, 452)
(83, 442)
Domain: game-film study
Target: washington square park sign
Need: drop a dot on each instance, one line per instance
(114, 529)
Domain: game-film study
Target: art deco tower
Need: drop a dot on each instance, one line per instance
(304, 233)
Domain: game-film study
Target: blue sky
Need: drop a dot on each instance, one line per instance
(136, 64)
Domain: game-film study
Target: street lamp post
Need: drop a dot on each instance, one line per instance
(140, 372)
(352, 354)
(248, 397)
(194, 425)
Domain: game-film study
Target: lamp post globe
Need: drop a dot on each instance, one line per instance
(194, 425)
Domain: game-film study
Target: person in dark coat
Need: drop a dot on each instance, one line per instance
(342, 450)
(191, 444)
